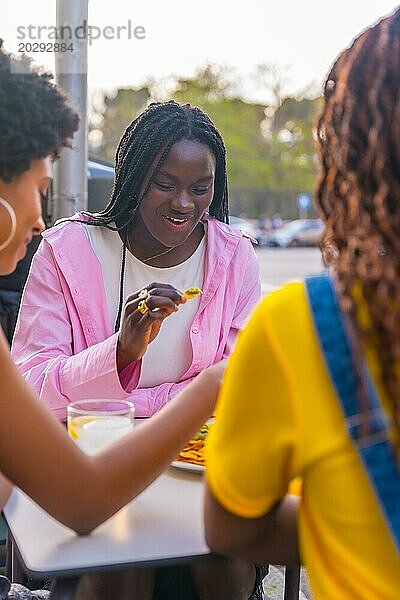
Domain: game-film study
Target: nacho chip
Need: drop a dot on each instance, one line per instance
(194, 450)
(192, 292)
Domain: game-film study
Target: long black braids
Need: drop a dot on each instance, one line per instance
(156, 130)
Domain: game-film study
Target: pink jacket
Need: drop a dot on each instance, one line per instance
(64, 342)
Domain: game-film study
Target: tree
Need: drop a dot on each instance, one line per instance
(210, 83)
(118, 112)
(270, 152)
(238, 122)
(270, 77)
(292, 141)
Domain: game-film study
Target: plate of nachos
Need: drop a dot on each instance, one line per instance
(192, 456)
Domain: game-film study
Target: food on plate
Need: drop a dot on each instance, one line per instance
(192, 292)
(194, 450)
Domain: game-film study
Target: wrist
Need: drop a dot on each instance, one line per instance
(123, 358)
(209, 387)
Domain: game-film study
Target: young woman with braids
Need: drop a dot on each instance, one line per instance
(293, 424)
(103, 314)
(81, 333)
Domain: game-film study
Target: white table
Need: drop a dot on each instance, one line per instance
(163, 526)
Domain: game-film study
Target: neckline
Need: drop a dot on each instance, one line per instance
(131, 257)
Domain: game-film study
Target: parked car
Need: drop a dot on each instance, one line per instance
(301, 232)
(245, 226)
(100, 182)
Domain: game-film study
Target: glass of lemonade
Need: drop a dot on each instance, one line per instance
(94, 424)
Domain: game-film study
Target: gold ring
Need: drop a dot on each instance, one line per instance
(143, 294)
(142, 307)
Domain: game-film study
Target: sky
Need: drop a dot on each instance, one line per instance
(178, 36)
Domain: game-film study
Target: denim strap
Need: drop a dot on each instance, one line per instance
(376, 452)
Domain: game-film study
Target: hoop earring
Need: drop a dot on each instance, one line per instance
(13, 218)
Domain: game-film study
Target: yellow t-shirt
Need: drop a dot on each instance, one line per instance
(278, 418)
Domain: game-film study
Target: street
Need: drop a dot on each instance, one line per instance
(279, 265)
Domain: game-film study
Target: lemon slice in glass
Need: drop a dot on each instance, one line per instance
(76, 425)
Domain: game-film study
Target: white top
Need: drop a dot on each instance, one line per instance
(171, 350)
(165, 522)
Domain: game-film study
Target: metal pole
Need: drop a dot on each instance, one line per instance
(65, 589)
(70, 177)
(292, 583)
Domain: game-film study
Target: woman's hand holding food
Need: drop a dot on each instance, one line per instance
(143, 315)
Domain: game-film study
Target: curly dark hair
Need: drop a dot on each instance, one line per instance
(358, 191)
(36, 119)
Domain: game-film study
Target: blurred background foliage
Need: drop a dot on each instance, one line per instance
(270, 148)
